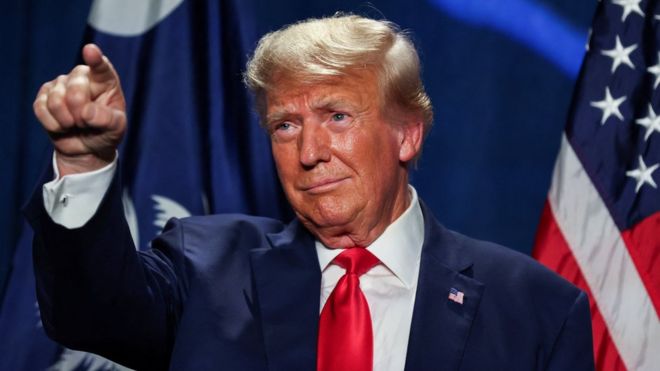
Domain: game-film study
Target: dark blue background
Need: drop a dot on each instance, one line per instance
(500, 74)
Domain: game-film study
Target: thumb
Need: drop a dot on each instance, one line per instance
(103, 117)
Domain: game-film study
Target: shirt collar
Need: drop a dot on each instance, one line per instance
(399, 247)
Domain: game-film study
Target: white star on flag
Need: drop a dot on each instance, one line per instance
(643, 175)
(620, 54)
(651, 122)
(609, 106)
(655, 70)
(628, 7)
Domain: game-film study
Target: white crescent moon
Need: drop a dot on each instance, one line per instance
(129, 17)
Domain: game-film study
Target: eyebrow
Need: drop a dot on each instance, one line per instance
(277, 116)
(332, 103)
(323, 103)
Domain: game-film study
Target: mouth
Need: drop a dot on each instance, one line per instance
(323, 185)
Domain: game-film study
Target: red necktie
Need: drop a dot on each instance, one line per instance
(345, 334)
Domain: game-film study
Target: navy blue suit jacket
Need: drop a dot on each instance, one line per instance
(235, 292)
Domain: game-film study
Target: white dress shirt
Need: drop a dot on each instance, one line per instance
(389, 287)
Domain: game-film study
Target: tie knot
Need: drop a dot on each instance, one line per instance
(357, 260)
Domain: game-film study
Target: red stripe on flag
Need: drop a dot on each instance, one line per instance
(552, 251)
(644, 248)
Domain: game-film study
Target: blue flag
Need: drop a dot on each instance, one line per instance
(193, 144)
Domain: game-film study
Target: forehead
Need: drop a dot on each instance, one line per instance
(358, 87)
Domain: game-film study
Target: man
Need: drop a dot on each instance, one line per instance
(343, 103)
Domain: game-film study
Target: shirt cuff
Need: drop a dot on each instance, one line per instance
(72, 200)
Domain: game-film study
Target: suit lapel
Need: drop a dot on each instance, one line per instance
(440, 326)
(288, 280)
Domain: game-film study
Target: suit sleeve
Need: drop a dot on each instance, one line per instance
(573, 349)
(96, 293)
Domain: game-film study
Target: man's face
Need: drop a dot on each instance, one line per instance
(340, 161)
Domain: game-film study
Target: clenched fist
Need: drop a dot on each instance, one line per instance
(84, 113)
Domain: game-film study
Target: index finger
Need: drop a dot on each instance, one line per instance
(99, 65)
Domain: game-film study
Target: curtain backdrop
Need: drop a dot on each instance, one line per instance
(500, 75)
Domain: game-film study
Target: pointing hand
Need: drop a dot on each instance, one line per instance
(84, 113)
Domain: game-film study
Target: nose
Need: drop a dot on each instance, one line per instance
(314, 145)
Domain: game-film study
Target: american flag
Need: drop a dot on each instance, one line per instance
(456, 296)
(601, 224)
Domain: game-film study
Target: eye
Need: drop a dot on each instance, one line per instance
(338, 116)
(283, 126)
(283, 131)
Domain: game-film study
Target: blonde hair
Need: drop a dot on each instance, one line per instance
(315, 49)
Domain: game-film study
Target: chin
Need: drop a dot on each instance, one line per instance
(333, 213)
(327, 210)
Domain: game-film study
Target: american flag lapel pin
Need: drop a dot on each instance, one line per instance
(456, 296)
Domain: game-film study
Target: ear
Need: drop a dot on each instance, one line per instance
(411, 136)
